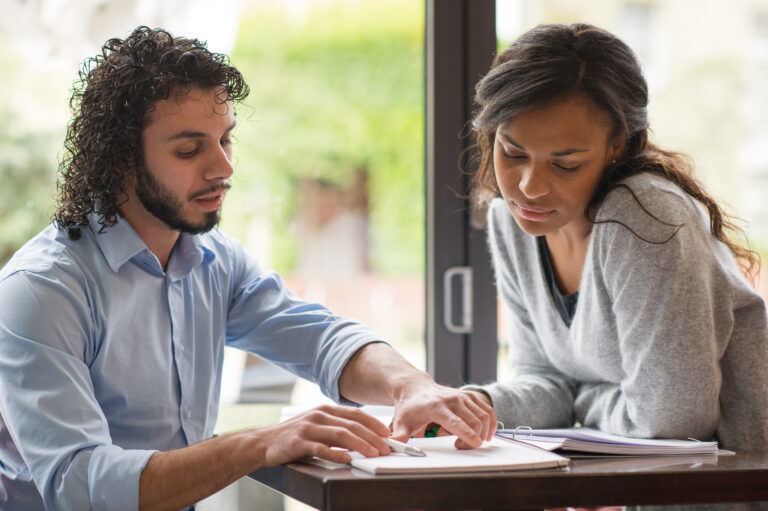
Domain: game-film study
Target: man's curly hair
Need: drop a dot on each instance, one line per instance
(111, 101)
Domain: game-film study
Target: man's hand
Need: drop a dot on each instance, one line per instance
(178, 478)
(315, 432)
(377, 374)
(466, 414)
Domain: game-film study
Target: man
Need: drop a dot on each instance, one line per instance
(114, 319)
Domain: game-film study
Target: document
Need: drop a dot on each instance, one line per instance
(590, 440)
(442, 456)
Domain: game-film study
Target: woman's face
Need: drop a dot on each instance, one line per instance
(548, 162)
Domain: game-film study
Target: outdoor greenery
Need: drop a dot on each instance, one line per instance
(27, 155)
(27, 176)
(338, 91)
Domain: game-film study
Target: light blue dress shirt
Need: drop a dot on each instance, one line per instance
(105, 358)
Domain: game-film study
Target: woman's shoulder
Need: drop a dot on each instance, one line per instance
(657, 191)
(650, 204)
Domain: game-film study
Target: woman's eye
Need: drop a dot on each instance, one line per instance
(566, 168)
(186, 154)
(513, 156)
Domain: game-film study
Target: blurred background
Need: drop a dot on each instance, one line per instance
(329, 183)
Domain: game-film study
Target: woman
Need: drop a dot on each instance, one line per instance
(627, 305)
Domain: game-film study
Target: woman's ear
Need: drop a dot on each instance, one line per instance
(616, 148)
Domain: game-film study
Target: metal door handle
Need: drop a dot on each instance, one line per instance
(465, 272)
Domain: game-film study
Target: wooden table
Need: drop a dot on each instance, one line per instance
(585, 482)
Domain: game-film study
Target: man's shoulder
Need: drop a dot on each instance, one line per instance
(47, 273)
(221, 246)
(41, 253)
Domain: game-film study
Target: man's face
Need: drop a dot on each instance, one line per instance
(187, 162)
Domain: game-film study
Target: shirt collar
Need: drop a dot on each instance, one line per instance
(120, 244)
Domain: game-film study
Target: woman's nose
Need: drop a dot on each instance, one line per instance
(534, 182)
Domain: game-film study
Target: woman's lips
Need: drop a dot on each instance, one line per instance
(532, 213)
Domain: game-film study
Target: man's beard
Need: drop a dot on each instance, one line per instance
(163, 205)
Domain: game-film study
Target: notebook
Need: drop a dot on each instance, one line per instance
(442, 456)
(594, 441)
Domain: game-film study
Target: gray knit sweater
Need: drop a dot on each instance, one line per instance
(667, 340)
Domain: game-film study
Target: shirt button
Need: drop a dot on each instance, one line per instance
(189, 414)
(181, 347)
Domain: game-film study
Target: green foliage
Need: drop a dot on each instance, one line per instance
(28, 177)
(28, 145)
(339, 91)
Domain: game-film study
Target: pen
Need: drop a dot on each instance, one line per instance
(405, 448)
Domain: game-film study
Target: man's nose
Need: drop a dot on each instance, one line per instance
(220, 166)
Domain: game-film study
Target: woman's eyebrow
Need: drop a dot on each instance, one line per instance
(564, 152)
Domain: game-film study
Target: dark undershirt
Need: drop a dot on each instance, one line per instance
(565, 304)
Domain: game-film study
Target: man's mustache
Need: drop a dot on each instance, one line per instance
(211, 190)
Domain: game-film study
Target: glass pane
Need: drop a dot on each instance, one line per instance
(707, 93)
(330, 159)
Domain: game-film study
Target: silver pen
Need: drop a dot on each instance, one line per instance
(404, 448)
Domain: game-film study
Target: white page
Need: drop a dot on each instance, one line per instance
(442, 456)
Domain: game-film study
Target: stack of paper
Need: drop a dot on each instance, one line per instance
(594, 441)
(442, 456)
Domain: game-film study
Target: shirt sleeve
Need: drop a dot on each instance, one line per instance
(47, 398)
(667, 291)
(538, 395)
(267, 319)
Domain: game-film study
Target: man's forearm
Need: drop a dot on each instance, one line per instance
(376, 374)
(179, 478)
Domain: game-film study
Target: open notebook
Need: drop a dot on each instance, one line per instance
(594, 441)
(442, 456)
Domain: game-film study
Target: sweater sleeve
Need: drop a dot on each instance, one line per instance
(665, 284)
(538, 395)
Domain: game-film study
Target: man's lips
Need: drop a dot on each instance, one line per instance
(532, 213)
(210, 200)
(211, 193)
(210, 196)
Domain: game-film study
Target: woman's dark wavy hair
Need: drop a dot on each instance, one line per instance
(111, 101)
(552, 62)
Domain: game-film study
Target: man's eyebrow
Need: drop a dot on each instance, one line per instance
(564, 152)
(197, 134)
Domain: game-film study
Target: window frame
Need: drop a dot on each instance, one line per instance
(461, 322)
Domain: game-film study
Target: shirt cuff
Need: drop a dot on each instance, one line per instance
(113, 477)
